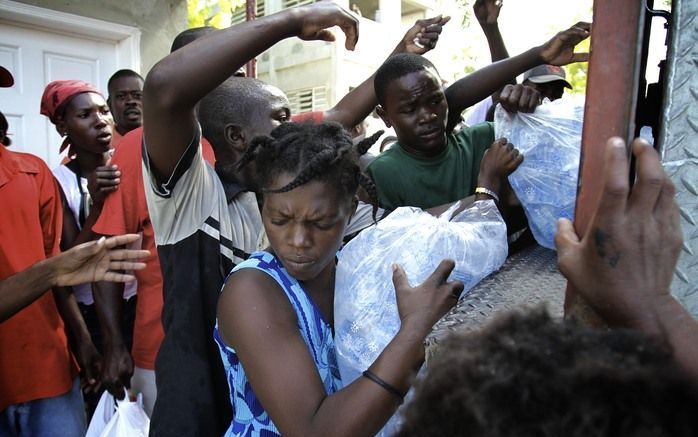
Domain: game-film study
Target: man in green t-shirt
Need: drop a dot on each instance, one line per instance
(432, 165)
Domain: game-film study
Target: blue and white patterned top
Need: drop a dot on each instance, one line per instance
(250, 419)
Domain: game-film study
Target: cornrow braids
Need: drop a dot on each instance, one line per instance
(367, 184)
(313, 169)
(365, 144)
(311, 151)
(286, 129)
(249, 154)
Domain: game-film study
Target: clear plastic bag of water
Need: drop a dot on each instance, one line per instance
(365, 308)
(546, 182)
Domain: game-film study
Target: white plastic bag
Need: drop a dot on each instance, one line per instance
(546, 182)
(365, 308)
(102, 415)
(115, 418)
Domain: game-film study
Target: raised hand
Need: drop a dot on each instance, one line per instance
(624, 264)
(424, 304)
(423, 36)
(560, 49)
(519, 98)
(316, 19)
(98, 261)
(487, 11)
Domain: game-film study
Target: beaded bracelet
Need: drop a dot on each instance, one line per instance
(488, 192)
(389, 388)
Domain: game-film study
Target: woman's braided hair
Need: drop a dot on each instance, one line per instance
(311, 151)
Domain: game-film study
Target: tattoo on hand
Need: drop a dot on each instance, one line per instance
(600, 240)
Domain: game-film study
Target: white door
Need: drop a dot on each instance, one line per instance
(35, 58)
(39, 45)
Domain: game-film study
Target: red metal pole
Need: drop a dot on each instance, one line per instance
(250, 15)
(611, 98)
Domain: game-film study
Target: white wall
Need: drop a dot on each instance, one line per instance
(158, 20)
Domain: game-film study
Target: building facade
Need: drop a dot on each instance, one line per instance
(315, 75)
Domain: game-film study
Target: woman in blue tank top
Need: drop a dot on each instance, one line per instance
(275, 314)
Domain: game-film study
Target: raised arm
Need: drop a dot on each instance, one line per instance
(624, 264)
(358, 104)
(485, 81)
(487, 14)
(176, 83)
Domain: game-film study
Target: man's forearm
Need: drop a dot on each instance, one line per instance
(358, 104)
(476, 86)
(23, 288)
(355, 106)
(70, 313)
(176, 84)
(194, 70)
(109, 301)
(498, 49)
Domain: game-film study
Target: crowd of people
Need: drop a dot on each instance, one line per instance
(189, 241)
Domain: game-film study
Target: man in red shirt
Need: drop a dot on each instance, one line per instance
(38, 375)
(126, 211)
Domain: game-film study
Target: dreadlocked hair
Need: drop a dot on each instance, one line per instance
(311, 151)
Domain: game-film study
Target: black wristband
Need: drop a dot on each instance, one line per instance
(389, 388)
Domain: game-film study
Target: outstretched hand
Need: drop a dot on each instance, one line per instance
(99, 260)
(560, 49)
(317, 18)
(487, 11)
(624, 264)
(426, 303)
(423, 36)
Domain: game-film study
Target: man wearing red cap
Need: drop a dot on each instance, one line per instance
(40, 390)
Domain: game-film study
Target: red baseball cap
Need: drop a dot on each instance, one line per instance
(6, 79)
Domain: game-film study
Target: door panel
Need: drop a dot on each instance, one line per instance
(36, 57)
